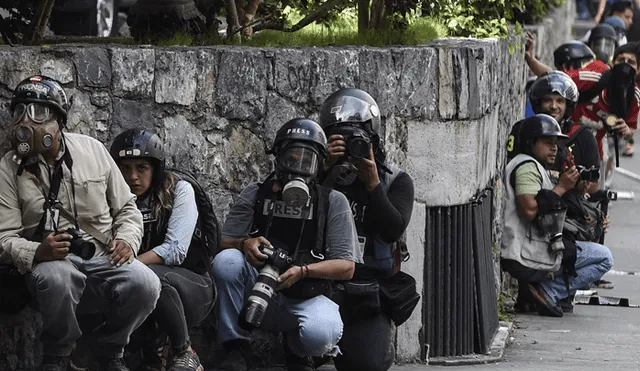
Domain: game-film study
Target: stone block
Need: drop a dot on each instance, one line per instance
(241, 88)
(19, 345)
(172, 86)
(93, 66)
(207, 73)
(186, 146)
(244, 159)
(129, 114)
(133, 72)
(417, 91)
(442, 159)
(409, 339)
(279, 111)
(331, 69)
(293, 77)
(56, 68)
(85, 118)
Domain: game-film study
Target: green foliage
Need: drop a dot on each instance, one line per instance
(505, 313)
(487, 18)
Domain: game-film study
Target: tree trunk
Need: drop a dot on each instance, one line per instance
(43, 13)
(377, 14)
(154, 20)
(363, 15)
(233, 22)
(249, 15)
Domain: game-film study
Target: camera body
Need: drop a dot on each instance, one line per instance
(80, 247)
(277, 261)
(591, 174)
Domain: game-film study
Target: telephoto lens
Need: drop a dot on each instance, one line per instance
(256, 306)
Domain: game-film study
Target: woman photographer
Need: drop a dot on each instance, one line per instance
(170, 216)
(381, 198)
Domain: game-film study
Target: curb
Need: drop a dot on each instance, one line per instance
(496, 352)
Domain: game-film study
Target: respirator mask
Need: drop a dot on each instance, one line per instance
(357, 143)
(33, 136)
(603, 49)
(297, 167)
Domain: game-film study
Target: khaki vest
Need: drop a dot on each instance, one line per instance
(521, 240)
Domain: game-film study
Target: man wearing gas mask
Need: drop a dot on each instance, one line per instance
(555, 94)
(81, 249)
(381, 198)
(532, 248)
(301, 236)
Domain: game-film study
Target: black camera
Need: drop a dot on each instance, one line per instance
(83, 249)
(591, 174)
(358, 145)
(278, 260)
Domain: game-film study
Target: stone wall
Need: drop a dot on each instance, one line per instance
(447, 108)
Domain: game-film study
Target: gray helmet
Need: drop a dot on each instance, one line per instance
(300, 130)
(140, 143)
(43, 90)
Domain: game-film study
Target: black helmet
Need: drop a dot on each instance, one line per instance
(43, 90)
(140, 143)
(354, 106)
(574, 53)
(300, 130)
(603, 41)
(554, 82)
(538, 126)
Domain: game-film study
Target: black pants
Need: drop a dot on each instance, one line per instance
(186, 298)
(366, 345)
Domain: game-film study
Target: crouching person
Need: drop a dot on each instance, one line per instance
(70, 222)
(532, 248)
(301, 236)
(169, 247)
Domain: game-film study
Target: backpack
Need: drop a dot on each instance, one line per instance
(208, 233)
(584, 220)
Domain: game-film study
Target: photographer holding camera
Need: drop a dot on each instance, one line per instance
(533, 247)
(381, 198)
(301, 236)
(79, 254)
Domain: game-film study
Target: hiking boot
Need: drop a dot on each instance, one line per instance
(54, 363)
(113, 364)
(546, 305)
(297, 363)
(566, 304)
(186, 361)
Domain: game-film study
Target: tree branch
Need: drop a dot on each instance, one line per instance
(304, 22)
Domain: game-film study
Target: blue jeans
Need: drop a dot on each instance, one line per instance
(320, 325)
(592, 262)
(63, 288)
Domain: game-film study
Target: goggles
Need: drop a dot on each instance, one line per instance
(38, 113)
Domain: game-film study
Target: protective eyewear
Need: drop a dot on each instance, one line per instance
(38, 113)
(300, 160)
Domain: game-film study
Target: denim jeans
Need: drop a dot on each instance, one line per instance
(127, 295)
(319, 323)
(592, 262)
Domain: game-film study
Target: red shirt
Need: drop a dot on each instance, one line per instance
(594, 112)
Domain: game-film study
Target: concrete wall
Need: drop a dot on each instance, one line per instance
(447, 108)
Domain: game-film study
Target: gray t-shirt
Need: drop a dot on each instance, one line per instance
(341, 236)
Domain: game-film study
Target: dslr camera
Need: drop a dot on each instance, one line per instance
(591, 174)
(358, 145)
(278, 261)
(83, 249)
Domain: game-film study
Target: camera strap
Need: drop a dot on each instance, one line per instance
(51, 198)
(85, 226)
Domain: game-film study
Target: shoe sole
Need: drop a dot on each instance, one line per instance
(541, 301)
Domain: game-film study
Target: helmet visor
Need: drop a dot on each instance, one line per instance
(604, 49)
(300, 160)
(38, 113)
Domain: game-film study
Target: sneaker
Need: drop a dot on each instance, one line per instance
(603, 284)
(54, 363)
(186, 361)
(628, 150)
(113, 364)
(297, 363)
(566, 304)
(546, 305)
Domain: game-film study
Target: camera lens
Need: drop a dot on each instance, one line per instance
(359, 147)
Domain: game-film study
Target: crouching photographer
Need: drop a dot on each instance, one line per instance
(301, 236)
(381, 198)
(533, 250)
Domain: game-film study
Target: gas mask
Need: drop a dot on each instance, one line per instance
(550, 218)
(33, 136)
(297, 168)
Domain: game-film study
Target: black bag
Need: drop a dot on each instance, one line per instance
(398, 296)
(584, 220)
(357, 299)
(208, 232)
(14, 294)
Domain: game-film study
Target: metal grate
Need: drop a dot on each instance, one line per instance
(460, 307)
